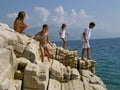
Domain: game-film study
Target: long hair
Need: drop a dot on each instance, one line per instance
(63, 26)
(21, 15)
(44, 26)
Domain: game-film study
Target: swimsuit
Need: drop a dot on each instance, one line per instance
(62, 33)
(44, 46)
(42, 38)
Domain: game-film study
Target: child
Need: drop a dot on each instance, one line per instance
(85, 40)
(42, 36)
(19, 25)
(62, 35)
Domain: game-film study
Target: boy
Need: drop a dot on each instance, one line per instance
(85, 40)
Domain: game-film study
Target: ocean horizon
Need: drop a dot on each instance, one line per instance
(106, 52)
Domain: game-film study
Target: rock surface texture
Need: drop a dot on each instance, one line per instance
(21, 67)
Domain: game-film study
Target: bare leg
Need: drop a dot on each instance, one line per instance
(48, 53)
(83, 51)
(88, 54)
(42, 54)
(64, 43)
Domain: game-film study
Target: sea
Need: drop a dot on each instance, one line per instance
(106, 52)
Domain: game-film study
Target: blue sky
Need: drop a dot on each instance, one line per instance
(76, 13)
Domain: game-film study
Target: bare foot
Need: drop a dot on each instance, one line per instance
(83, 59)
(42, 60)
(89, 59)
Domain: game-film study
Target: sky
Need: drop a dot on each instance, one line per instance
(75, 13)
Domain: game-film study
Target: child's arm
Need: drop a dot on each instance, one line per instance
(23, 26)
(35, 35)
(84, 36)
(49, 41)
(16, 27)
(67, 34)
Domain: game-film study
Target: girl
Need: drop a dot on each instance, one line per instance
(62, 35)
(19, 25)
(42, 37)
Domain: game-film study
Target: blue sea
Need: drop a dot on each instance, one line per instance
(106, 52)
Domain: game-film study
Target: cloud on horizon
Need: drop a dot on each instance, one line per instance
(12, 16)
(43, 12)
(73, 18)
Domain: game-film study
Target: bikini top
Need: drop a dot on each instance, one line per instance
(42, 37)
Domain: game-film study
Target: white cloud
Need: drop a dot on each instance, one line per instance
(60, 11)
(12, 16)
(73, 13)
(60, 15)
(83, 15)
(74, 18)
(43, 12)
(27, 17)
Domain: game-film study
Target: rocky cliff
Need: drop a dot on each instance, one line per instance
(21, 67)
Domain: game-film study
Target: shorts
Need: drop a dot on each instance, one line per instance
(85, 45)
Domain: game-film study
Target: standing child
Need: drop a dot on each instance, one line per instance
(85, 40)
(62, 34)
(42, 37)
(19, 25)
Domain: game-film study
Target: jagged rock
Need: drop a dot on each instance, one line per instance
(22, 63)
(36, 76)
(5, 27)
(87, 86)
(75, 74)
(52, 49)
(31, 52)
(19, 49)
(54, 85)
(57, 71)
(7, 63)
(87, 65)
(15, 85)
(3, 42)
(5, 84)
(22, 43)
(22, 39)
(18, 75)
(68, 58)
(67, 75)
(8, 37)
(97, 87)
(66, 71)
(90, 78)
(72, 85)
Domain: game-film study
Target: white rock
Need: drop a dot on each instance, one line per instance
(54, 85)
(7, 63)
(5, 84)
(75, 74)
(57, 70)
(15, 85)
(72, 85)
(31, 52)
(34, 78)
(9, 37)
(88, 87)
(22, 39)
(98, 87)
